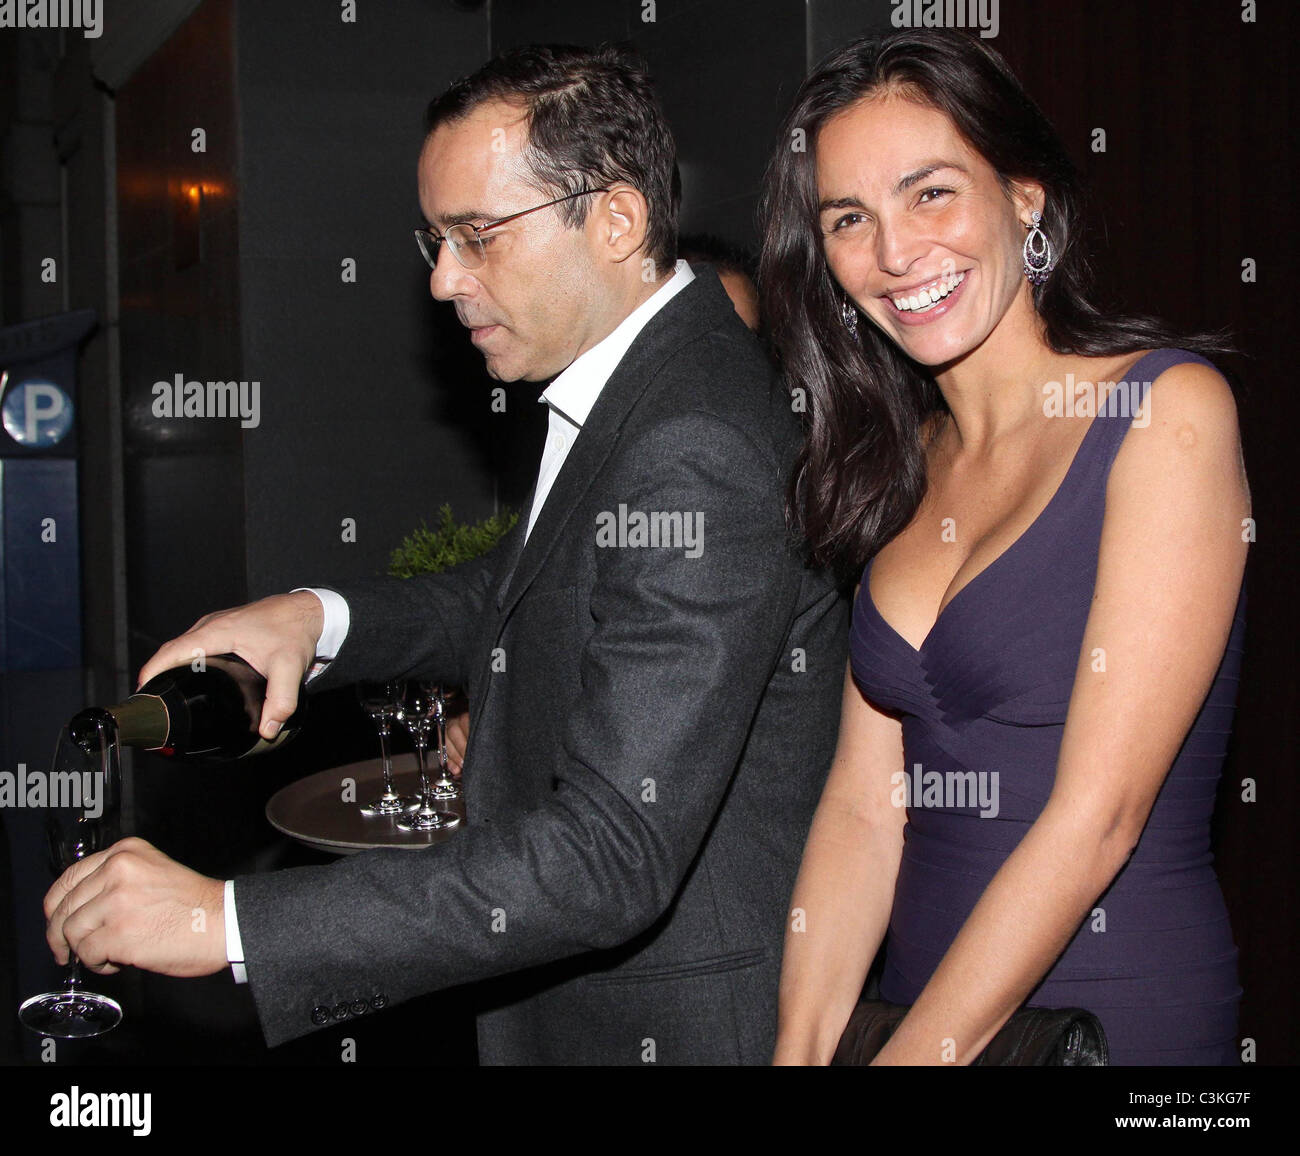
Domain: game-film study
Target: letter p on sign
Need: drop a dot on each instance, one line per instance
(37, 413)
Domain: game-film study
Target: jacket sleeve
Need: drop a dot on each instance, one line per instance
(672, 674)
(420, 626)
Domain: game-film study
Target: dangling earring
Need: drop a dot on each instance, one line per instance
(849, 313)
(1040, 259)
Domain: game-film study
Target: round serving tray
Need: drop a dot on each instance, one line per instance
(313, 810)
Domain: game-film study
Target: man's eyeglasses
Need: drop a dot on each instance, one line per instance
(464, 239)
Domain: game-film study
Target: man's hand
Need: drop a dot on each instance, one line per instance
(131, 904)
(277, 637)
(457, 741)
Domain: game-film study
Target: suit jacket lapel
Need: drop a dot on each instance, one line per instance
(513, 547)
(701, 306)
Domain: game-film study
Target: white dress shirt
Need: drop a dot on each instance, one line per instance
(570, 398)
(573, 393)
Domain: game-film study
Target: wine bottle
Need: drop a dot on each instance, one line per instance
(208, 714)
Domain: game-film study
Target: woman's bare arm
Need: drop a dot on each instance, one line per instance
(845, 888)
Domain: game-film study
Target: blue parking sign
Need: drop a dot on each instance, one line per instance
(36, 412)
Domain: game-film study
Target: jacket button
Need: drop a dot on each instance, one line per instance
(341, 1011)
(359, 1007)
(320, 1015)
(378, 1003)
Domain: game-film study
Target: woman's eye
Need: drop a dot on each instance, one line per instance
(846, 221)
(932, 194)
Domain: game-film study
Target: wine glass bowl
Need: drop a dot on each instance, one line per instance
(67, 845)
(72, 834)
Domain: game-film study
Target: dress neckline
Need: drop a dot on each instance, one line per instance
(1020, 538)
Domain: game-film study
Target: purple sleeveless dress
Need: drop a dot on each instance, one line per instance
(988, 692)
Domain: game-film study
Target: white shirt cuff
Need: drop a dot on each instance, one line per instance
(335, 630)
(234, 946)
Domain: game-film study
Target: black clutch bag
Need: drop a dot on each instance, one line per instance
(1034, 1037)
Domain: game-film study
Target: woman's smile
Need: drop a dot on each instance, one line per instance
(928, 303)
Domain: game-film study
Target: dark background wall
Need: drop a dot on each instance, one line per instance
(726, 72)
(374, 407)
(178, 231)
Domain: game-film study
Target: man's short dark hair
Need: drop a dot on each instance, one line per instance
(593, 119)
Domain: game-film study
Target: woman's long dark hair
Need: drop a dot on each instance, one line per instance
(861, 472)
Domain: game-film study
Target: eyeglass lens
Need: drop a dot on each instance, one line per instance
(465, 246)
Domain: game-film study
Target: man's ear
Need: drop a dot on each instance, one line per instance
(622, 216)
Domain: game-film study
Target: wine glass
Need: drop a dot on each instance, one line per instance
(382, 701)
(89, 740)
(444, 786)
(420, 707)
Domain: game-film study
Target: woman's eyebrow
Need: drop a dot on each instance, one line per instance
(916, 176)
(905, 182)
(839, 203)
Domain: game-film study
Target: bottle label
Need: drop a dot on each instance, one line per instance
(143, 721)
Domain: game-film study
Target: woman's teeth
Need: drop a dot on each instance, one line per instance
(928, 298)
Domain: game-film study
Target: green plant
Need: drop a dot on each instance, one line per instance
(426, 551)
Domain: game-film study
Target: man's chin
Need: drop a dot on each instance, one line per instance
(501, 371)
(504, 373)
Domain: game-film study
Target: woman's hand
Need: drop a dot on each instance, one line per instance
(457, 741)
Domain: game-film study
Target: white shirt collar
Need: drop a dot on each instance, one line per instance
(574, 392)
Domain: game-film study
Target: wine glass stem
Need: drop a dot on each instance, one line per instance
(422, 757)
(388, 760)
(444, 780)
(442, 738)
(73, 970)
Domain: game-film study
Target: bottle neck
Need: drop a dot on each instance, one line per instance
(142, 721)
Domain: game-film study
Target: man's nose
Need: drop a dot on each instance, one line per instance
(449, 278)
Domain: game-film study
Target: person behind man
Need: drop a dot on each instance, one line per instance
(653, 717)
(734, 266)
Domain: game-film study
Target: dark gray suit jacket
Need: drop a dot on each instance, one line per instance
(650, 733)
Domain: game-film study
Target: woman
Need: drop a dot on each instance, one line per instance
(1047, 632)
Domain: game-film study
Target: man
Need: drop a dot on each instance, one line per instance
(653, 718)
(735, 270)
